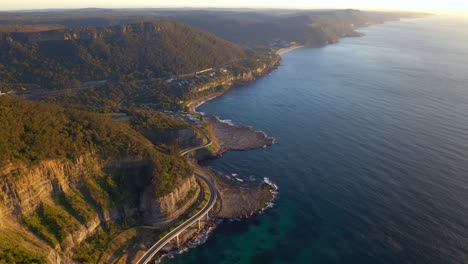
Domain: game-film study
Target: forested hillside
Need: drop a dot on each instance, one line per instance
(67, 57)
(32, 132)
(65, 173)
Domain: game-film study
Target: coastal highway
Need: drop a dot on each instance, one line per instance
(184, 152)
(174, 234)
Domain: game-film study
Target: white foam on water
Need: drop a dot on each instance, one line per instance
(201, 103)
(269, 182)
(198, 240)
(227, 121)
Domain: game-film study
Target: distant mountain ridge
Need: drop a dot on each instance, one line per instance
(89, 33)
(307, 27)
(66, 57)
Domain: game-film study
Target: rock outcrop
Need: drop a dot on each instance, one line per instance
(86, 33)
(22, 195)
(24, 190)
(230, 80)
(169, 207)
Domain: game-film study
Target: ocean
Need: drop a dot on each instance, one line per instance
(371, 153)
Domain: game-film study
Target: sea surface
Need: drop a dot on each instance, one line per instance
(371, 157)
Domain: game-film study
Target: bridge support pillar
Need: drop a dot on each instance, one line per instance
(177, 240)
(199, 224)
(206, 216)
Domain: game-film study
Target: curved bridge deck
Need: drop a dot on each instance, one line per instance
(174, 234)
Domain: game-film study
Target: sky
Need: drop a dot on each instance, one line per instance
(413, 5)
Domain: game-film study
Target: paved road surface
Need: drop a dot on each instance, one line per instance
(174, 233)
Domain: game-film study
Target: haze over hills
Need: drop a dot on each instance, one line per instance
(61, 49)
(241, 25)
(309, 28)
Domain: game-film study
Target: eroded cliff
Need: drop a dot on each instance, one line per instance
(65, 174)
(57, 204)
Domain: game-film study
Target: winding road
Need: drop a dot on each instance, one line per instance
(174, 234)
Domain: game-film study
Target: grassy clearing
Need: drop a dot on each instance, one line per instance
(11, 251)
(76, 205)
(52, 223)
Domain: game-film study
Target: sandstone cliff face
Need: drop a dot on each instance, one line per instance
(24, 189)
(226, 82)
(171, 206)
(86, 33)
(247, 76)
(258, 72)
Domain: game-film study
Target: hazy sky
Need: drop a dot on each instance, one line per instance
(423, 5)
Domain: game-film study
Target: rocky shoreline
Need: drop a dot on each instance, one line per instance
(235, 137)
(234, 204)
(235, 200)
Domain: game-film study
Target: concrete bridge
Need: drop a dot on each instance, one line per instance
(196, 219)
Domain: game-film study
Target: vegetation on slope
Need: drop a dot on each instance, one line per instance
(32, 132)
(52, 224)
(14, 252)
(68, 57)
(157, 127)
(158, 94)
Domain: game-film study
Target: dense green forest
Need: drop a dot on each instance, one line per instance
(68, 57)
(31, 132)
(118, 96)
(159, 128)
(153, 93)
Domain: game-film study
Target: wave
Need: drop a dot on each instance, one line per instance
(201, 103)
(274, 191)
(226, 121)
(200, 239)
(269, 182)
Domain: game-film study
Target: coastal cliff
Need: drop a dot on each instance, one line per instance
(85, 33)
(236, 76)
(72, 198)
(79, 175)
(168, 207)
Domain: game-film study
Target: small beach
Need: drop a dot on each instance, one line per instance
(288, 49)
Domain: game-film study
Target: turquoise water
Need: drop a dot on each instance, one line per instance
(371, 156)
